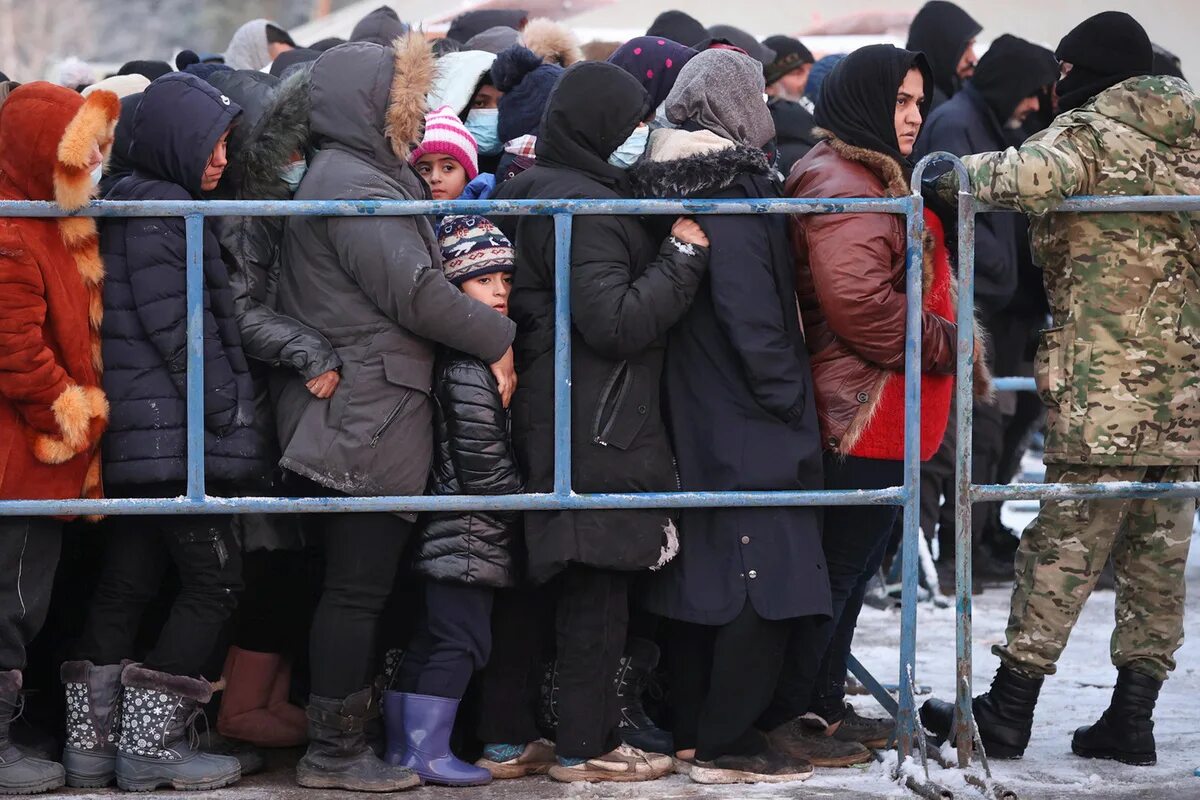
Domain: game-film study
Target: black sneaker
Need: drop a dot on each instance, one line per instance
(768, 766)
(867, 731)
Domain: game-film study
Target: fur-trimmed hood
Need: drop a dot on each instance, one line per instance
(370, 100)
(692, 164)
(553, 41)
(886, 168)
(47, 133)
(275, 124)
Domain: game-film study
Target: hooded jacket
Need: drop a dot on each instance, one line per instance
(472, 455)
(177, 124)
(471, 23)
(1118, 371)
(458, 76)
(941, 30)
(973, 121)
(626, 293)
(737, 356)
(248, 48)
(52, 409)
(380, 27)
(372, 285)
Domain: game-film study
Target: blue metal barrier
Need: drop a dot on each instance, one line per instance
(907, 495)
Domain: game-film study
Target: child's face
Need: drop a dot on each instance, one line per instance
(491, 289)
(445, 176)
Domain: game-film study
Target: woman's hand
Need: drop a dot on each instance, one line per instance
(688, 230)
(506, 376)
(323, 386)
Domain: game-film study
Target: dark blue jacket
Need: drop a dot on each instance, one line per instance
(965, 125)
(144, 332)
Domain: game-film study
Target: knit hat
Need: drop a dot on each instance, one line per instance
(152, 70)
(446, 135)
(472, 246)
(790, 54)
(526, 82)
(1103, 50)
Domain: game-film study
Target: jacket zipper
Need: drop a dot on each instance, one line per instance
(387, 422)
(602, 422)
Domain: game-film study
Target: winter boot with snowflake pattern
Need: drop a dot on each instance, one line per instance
(158, 746)
(93, 723)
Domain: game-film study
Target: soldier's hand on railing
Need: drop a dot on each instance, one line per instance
(688, 230)
(506, 376)
(323, 386)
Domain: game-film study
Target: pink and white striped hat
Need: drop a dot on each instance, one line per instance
(446, 135)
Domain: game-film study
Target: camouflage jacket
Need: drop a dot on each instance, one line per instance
(1120, 369)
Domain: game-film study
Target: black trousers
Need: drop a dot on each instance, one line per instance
(453, 640)
(29, 550)
(591, 622)
(510, 684)
(855, 540)
(274, 610)
(362, 554)
(722, 679)
(140, 550)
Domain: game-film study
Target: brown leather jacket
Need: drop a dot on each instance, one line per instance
(850, 288)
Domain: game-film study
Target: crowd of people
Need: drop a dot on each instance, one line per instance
(405, 355)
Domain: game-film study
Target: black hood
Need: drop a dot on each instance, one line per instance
(591, 112)
(941, 31)
(1011, 70)
(678, 26)
(381, 26)
(176, 127)
(119, 163)
(465, 26)
(274, 125)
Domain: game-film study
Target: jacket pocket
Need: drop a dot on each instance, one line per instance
(411, 376)
(622, 407)
(1050, 373)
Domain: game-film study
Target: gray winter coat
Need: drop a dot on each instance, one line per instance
(372, 285)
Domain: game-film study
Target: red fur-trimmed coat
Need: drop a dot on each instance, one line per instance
(850, 287)
(52, 410)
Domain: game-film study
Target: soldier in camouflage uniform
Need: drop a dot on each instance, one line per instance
(1119, 374)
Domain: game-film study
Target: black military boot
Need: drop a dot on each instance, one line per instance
(1125, 732)
(19, 773)
(635, 727)
(158, 745)
(1003, 714)
(93, 696)
(338, 755)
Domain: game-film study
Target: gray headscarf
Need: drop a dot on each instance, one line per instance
(722, 91)
(248, 47)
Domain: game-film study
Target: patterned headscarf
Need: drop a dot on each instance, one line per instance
(656, 63)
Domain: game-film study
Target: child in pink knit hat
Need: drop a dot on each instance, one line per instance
(447, 158)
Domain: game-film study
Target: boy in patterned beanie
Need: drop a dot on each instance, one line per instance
(462, 556)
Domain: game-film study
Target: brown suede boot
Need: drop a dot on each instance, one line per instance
(289, 714)
(245, 713)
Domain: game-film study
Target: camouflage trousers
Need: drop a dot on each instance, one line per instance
(1063, 551)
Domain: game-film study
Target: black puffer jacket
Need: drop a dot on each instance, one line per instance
(145, 303)
(472, 455)
(626, 293)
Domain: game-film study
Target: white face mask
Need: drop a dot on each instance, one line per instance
(98, 173)
(293, 173)
(631, 149)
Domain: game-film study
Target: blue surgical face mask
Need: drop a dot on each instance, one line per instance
(98, 173)
(293, 173)
(484, 125)
(631, 149)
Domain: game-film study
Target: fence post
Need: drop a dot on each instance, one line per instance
(562, 354)
(963, 459)
(914, 261)
(193, 228)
